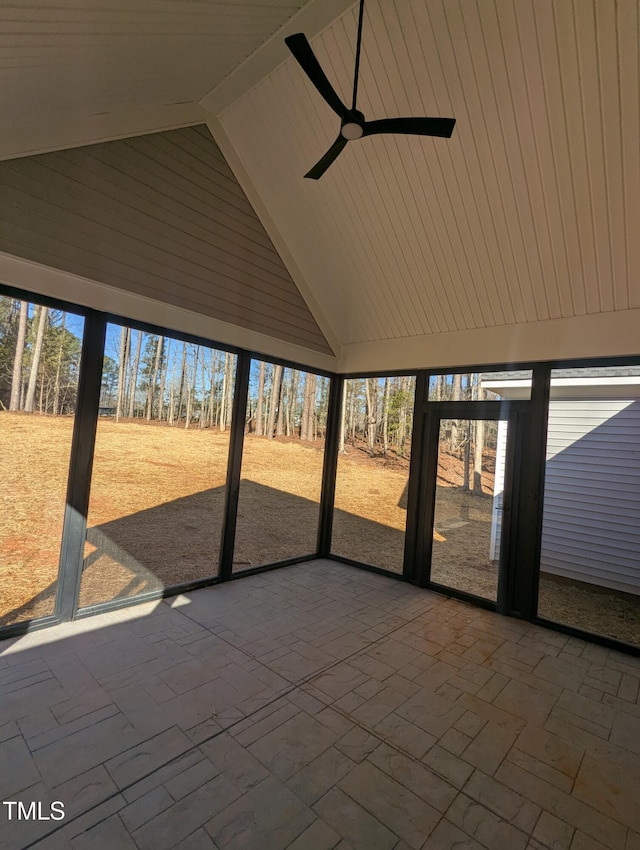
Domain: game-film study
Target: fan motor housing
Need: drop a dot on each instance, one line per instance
(353, 125)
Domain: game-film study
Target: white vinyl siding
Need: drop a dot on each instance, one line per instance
(498, 491)
(591, 528)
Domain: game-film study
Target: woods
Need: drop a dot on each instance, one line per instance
(377, 414)
(183, 384)
(155, 378)
(39, 358)
(286, 402)
(149, 376)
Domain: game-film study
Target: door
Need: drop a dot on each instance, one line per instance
(466, 499)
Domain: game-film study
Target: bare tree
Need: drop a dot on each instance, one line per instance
(56, 386)
(227, 392)
(164, 368)
(191, 387)
(153, 378)
(212, 389)
(307, 429)
(122, 362)
(276, 382)
(343, 419)
(385, 417)
(229, 367)
(260, 401)
(133, 381)
(371, 394)
(43, 313)
(16, 381)
(477, 458)
(280, 419)
(403, 414)
(183, 372)
(203, 376)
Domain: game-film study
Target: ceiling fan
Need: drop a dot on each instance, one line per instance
(353, 124)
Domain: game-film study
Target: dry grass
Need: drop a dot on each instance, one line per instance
(156, 511)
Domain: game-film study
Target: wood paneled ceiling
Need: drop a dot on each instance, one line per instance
(526, 219)
(83, 71)
(516, 239)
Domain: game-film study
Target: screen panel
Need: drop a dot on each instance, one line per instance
(372, 479)
(282, 461)
(159, 475)
(40, 349)
(590, 553)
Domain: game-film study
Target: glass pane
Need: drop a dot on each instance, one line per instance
(468, 511)
(281, 477)
(373, 471)
(590, 558)
(39, 361)
(157, 490)
(481, 386)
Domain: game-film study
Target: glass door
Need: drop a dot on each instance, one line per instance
(467, 472)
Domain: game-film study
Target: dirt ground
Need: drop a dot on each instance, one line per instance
(156, 507)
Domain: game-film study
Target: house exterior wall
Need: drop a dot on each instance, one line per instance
(591, 528)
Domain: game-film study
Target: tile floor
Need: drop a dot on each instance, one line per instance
(317, 707)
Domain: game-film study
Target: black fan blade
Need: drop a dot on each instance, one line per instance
(331, 155)
(412, 126)
(302, 51)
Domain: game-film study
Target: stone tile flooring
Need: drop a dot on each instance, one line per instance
(317, 707)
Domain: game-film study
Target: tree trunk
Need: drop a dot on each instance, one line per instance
(402, 415)
(191, 388)
(153, 377)
(385, 417)
(454, 444)
(203, 416)
(56, 387)
(352, 413)
(222, 414)
(164, 368)
(304, 416)
(134, 377)
(16, 381)
(122, 356)
(183, 368)
(467, 459)
(171, 400)
(293, 401)
(227, 392)
(260, 402)
(212, 390)
(371, 392)
(477, 458)
(35, 360)
(281, 399)
(308, 407)
(343, 419)
(230, 387)
(276, 381)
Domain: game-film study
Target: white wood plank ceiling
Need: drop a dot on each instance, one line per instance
(88, 70)
(528, 216)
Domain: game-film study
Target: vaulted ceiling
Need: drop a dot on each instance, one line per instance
(514, 240)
